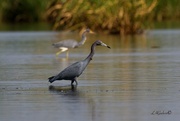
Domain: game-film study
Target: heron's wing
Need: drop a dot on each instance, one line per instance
(71, 71)
(66, 43)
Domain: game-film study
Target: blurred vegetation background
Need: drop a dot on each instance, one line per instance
(110, 16)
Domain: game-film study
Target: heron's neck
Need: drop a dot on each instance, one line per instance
(89, 57)
(83, 40)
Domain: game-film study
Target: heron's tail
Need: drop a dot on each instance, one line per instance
(55, 45)
(51, 79)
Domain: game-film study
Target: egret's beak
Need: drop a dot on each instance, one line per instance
(103, 44)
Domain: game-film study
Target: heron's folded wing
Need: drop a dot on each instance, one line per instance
(71, 72)
(66, 43)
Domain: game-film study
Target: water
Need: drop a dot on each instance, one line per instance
(136, 80)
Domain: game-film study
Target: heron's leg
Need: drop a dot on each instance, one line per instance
(74, 80)
(67, 54)
(59, 52)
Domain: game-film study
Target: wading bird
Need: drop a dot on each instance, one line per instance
(64, 45)
(76, 69)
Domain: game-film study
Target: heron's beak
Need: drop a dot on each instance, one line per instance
(105, 45)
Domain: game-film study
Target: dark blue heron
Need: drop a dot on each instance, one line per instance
(76, 69)
(66, 44)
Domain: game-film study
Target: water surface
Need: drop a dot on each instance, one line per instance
(136, 80)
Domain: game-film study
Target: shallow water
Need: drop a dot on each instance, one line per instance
(136, 80)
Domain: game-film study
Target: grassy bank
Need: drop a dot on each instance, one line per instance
(22, 10)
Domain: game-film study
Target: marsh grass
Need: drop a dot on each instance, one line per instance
(167, 10)
(114, 16)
